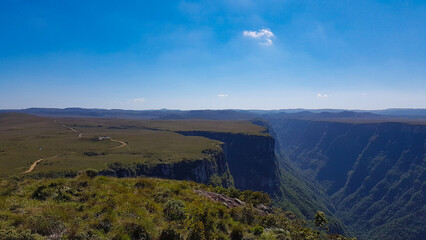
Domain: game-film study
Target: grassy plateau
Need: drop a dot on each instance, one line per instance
(73, 144)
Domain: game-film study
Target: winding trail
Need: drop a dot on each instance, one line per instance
(38, 161)
(122, 144)
(80, 135)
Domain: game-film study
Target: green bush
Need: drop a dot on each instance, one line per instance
(258, 230)
(256, 198)
(7, 187)
(18, 234)
(196, 231)
(63, 194)
(90, 154)
(162, 196)
(136, 231)
(320, 220)
(174, 210)
(44, 224)
(41, 193)
(222, 226)
(236, 213)
(215, 180)
(144, 183)
(54, 191)
(105, 225)
(205, 216)
(92, 172)
(170, 234)
(236, 233)
(248, 215)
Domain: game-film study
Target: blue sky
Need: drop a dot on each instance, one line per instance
(218, 54)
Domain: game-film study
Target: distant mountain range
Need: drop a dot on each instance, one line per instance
(230, 114)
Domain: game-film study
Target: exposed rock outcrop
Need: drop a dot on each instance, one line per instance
(199, 170)
(251, 159)
(232, 202)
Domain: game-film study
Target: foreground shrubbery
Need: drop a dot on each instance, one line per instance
(140, 208)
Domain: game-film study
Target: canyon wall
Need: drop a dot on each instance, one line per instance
(375, 173)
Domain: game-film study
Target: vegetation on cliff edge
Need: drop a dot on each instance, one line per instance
(88, 207)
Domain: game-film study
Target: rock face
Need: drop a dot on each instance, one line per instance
(375, 173)
(251, 159)
(195, 170)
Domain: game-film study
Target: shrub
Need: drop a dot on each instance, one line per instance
(236, 214)
(248, 215)
(222, 226)
(170, 234)
(270, 221)
(320, 220)
(90, 154)
(258, 230)
(215, 180)
(136, 231)
(64, 194)
(41, 193)
(54, 191)
(18, 234)
(7, 187)
(162, 196)
(91, 173)
(144, 183)
(256, 198)
(105, 225)
(206, 216)
(174, 210)
(236, 233)
(196, 231)
(44, 224)
(269, 235)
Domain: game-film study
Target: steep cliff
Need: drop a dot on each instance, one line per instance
(375, 173)
(251, 159)
(246, 161)
(199, 170)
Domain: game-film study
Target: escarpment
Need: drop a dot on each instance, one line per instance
(245, 161)
(251, 159)
(198, 170)
(375, 173)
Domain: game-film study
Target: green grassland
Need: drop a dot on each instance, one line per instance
(25, 139)
(88, 207)
(237, 127)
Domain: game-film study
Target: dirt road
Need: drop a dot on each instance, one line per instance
(38, 161)
(122, 144)
(80, 135)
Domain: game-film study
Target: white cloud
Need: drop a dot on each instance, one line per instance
(139, 100)
(222, 95)
(267, 42)
(319, 95)
(263, 35)
(363, 94)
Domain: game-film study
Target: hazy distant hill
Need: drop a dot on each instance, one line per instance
(230, 114)
(138, 114)
(402, 112)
